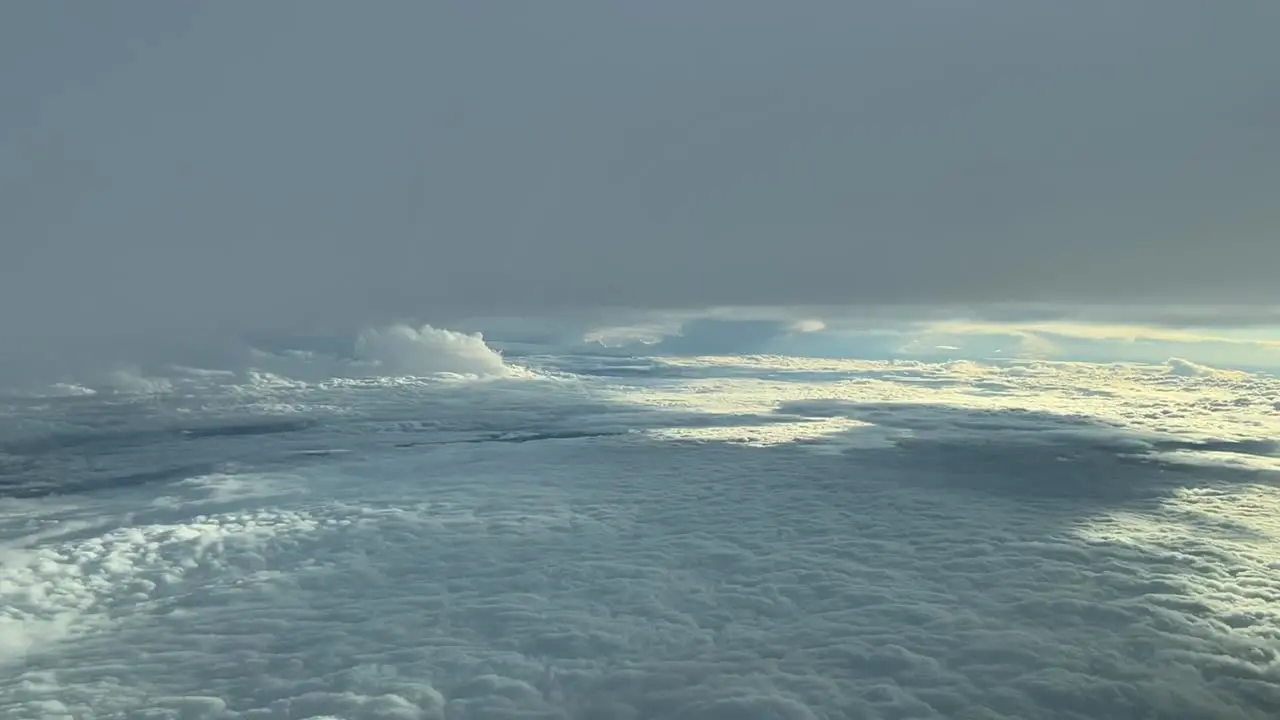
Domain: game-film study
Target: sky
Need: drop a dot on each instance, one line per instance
(176, 171)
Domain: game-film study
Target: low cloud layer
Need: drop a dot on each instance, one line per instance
(171, 175)
(697, 538)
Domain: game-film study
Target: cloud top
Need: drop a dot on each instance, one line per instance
(1022, 541)
(402, 349)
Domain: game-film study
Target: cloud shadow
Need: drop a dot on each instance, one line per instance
(1074, 460)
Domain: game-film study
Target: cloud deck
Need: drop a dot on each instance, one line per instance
(1026, 541)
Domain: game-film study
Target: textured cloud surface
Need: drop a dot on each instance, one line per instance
(715, 537)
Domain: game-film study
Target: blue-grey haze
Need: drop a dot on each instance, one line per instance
(171, 171)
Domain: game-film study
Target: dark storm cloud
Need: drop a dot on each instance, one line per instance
(175, 170)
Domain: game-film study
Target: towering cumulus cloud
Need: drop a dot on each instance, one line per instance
(401, 349)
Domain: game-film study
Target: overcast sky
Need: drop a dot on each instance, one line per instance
(249, 165)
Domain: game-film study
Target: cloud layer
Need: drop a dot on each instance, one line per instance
(651, 538)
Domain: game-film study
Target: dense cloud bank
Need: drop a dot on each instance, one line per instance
(698, 538)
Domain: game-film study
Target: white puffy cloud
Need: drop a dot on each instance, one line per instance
(404, 350)
(1186, 368)
(652, 538)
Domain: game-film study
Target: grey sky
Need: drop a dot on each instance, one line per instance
(169, 167)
